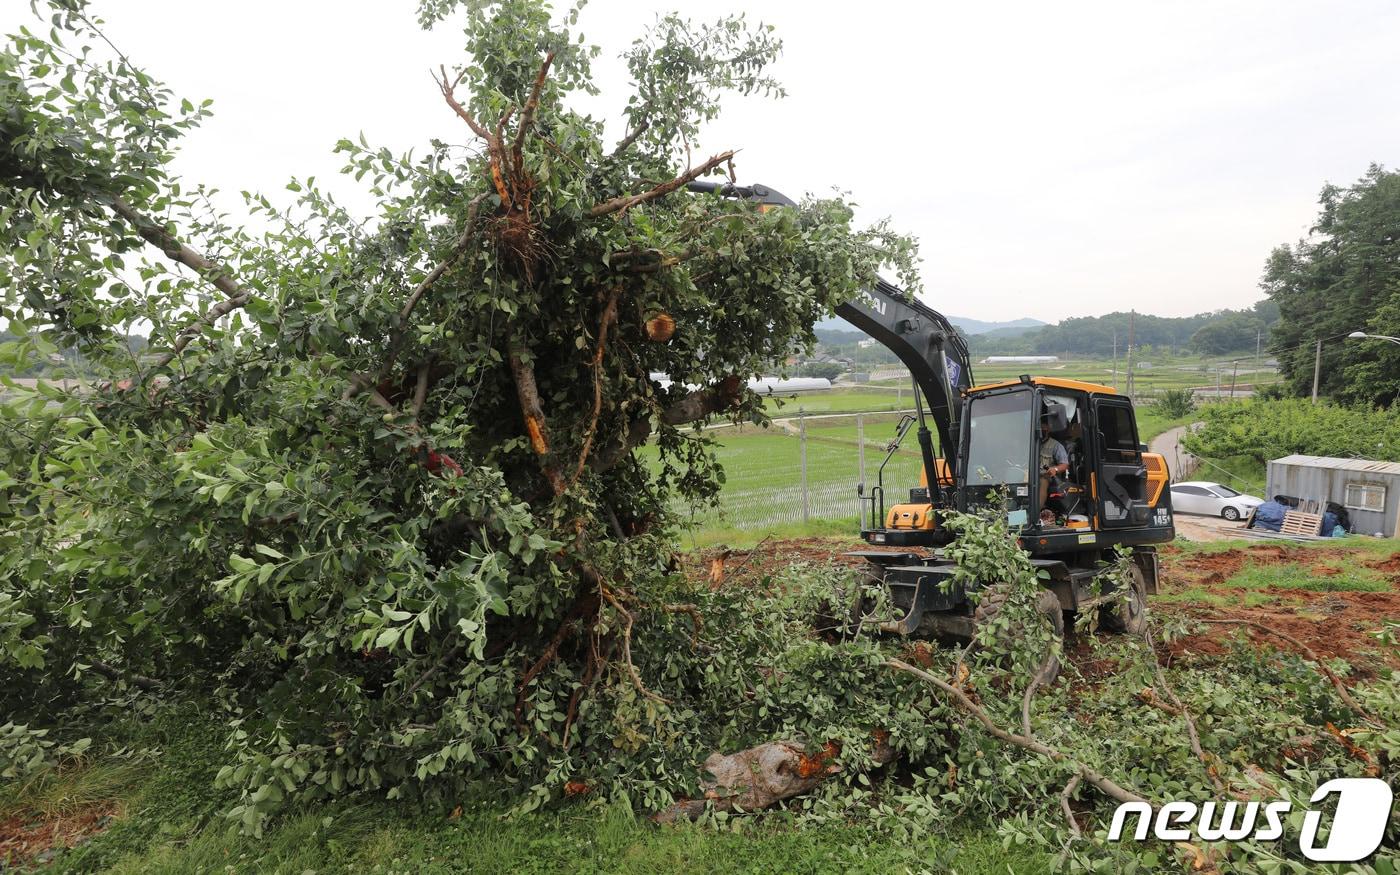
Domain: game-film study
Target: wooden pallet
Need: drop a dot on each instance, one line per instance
(1298, 523)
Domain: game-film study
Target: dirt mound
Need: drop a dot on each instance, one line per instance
(1390, 565)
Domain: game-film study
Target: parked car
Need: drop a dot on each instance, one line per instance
(1212, 499)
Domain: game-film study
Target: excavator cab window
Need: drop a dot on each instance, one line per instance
(999, 440)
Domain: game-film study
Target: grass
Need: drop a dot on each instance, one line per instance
(842, 400)
(763, 490)
(763, 476)
(170, 823)
(1351, 579)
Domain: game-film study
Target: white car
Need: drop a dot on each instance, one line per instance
(1212, 499)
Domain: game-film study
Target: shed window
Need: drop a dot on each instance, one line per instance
(1366, 496)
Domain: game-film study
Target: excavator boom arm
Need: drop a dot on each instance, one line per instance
(921, 337)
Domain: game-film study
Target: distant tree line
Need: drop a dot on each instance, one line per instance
(1217, 333)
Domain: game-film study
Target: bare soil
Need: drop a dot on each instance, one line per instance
(31, 838)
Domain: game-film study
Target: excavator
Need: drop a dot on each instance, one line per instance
(1113, 495)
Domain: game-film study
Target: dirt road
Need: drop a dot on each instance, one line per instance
(1179, 462)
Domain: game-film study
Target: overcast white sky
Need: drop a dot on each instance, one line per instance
(1054, 159)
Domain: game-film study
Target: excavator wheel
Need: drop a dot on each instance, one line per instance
(842, 613)
(1128, 617)
(1046, 604)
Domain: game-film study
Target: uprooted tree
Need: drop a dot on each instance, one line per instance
(374, 477)
(373, 484)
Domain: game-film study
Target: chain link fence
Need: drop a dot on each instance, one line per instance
(806, 469)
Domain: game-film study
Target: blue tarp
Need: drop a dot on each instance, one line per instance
(1269, 516)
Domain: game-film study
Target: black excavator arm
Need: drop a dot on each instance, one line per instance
(921, 337)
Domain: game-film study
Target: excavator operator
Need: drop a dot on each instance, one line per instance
(1053, 463)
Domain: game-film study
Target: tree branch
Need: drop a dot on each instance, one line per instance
(218, 275)
(420, 391)
(459, 246)
(1104, 784)
(1191, 735)
(527, 115)
(113, 674)
(1337, 684)
(609, 315)
(690, 407)
(626, 142)
(626, 202)
(447, 94)
(528, 392)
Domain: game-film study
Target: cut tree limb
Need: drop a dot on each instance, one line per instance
(763, 776)
(1307, 651)
(1192, 736)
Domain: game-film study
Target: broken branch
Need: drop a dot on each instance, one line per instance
(218, 275)
(960, 698)
(626, 202)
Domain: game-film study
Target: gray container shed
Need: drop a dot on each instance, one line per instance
(1370, 491)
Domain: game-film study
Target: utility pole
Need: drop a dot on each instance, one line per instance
(1132, 316)
(1258, 342)
(1234, 374)
(1217, 382)
(1317, 368)
(1115, 358)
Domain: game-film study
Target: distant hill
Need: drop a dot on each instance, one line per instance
(1012, 328)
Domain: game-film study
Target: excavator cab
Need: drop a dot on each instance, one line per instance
(1111, 485)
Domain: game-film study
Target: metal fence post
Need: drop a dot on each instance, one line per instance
(802, 443)
(860, 455)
